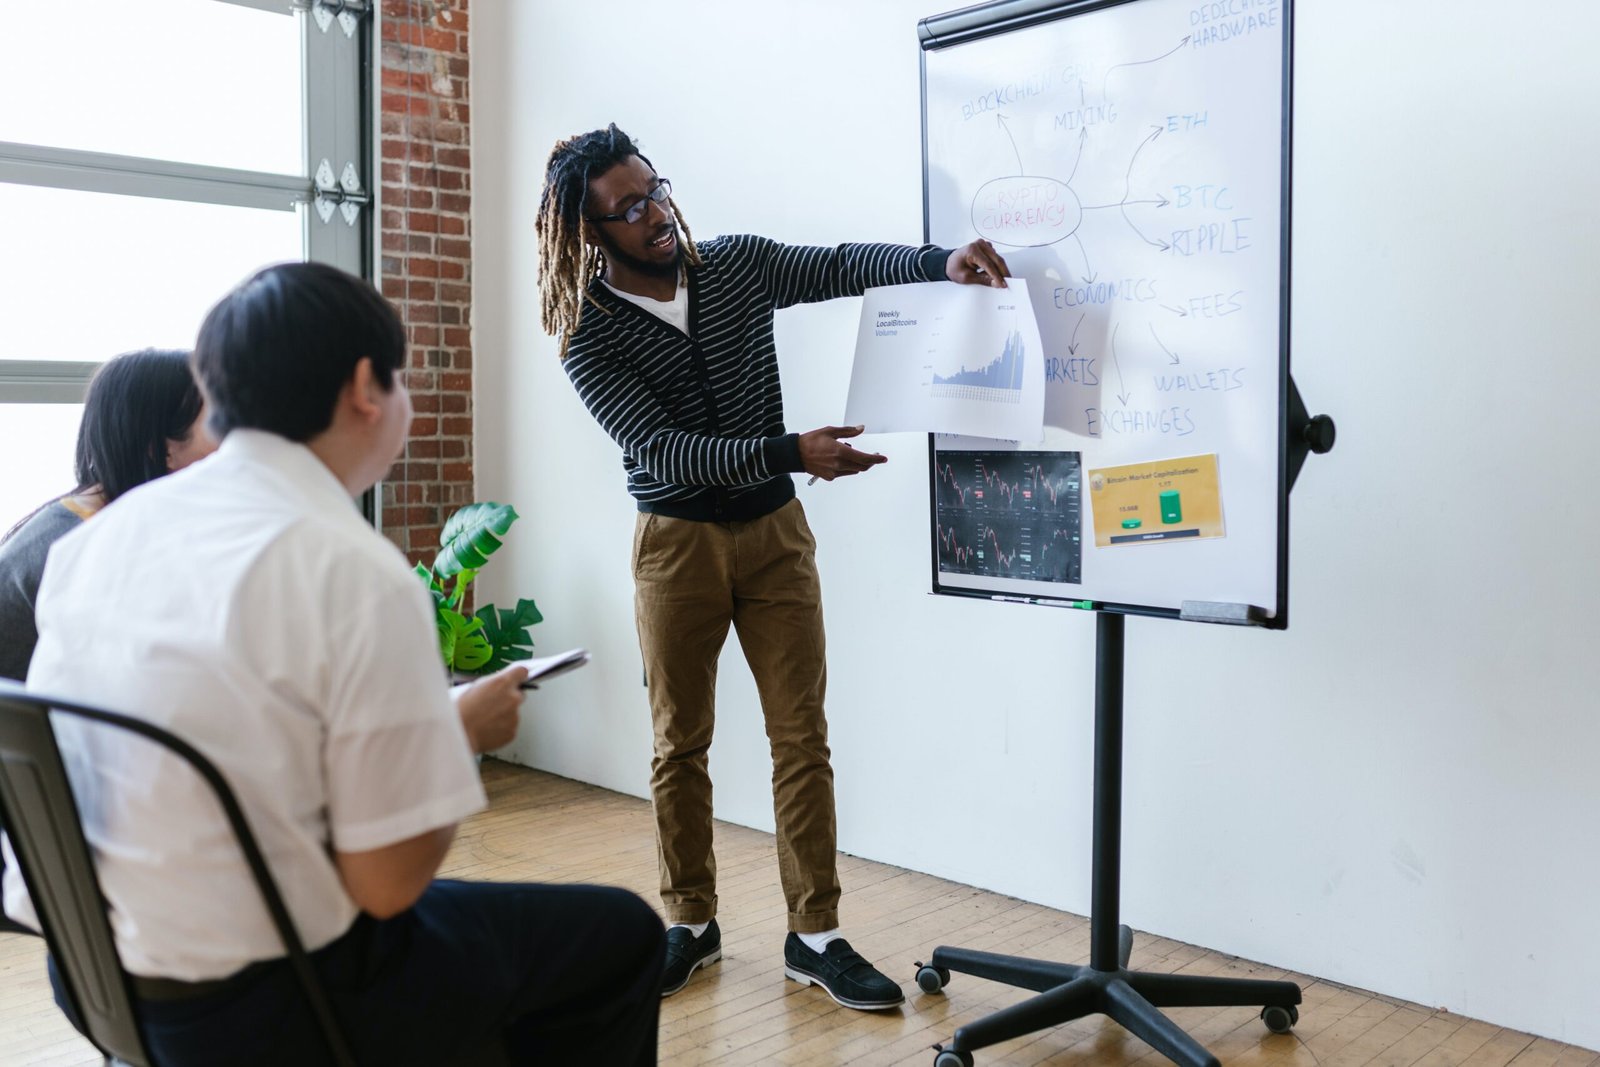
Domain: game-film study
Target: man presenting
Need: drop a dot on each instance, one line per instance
(670, 345)
(244, 605)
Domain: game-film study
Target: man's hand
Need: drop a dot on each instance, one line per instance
(489, 707)
(827, 457)
(977, 264)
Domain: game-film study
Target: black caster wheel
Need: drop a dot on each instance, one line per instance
(932, 979)
(951, 1058)
(1280, 1019)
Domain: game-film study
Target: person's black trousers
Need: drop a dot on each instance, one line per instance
(475, 973)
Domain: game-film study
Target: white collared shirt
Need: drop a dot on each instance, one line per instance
(243, 604)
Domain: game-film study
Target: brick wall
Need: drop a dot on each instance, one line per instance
(425, 263)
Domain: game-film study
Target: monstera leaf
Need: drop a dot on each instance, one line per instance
(492, 638)
(462, 642)
(507, 632)
(471, 536)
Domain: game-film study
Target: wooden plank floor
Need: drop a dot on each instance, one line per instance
(743, 1011)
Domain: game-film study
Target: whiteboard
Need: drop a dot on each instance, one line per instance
(1130, 160)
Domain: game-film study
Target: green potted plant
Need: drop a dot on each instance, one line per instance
(491, 638)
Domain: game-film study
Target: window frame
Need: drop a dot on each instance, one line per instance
(336, 45)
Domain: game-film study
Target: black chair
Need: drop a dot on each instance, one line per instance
(47, 837)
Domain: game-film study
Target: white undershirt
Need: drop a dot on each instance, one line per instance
(674, 312)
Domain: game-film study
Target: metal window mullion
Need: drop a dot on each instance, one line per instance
(355, 8)
(336, 63)
(104, 172)
(335, 132)
(36, 381)
(276, 7)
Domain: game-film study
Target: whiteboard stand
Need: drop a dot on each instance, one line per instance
(1105, 987)
(1070, 991)
(1021, 146)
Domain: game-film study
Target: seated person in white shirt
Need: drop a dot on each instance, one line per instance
(245, 605)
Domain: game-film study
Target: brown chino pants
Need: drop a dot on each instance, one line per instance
(691, 579)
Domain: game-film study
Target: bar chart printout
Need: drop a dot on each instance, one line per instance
(999, 383)
(1011, 515)
(1166, 501)
(945, 358)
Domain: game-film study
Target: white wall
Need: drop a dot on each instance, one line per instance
(1398, 793)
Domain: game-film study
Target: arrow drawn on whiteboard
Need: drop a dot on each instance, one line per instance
(1140, 63)
(1001, 119)
(1072, 345)
(1122, 397)
(1127, 188)
(1083, 135)
(1170, 354)
(1159, 201)
(1176, 311)
(1088, 272)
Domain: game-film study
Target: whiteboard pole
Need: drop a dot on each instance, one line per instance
(1106, 872)
(1068, 991)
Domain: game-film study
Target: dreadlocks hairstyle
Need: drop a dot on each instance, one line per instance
(566, 264)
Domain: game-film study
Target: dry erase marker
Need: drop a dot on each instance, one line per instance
(1085, 605)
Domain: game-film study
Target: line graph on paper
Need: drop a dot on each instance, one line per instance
(999, 381)
(947, 358)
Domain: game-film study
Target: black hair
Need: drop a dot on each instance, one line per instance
(566, 263)
(274, 353)
(137, 402)
(576, 160)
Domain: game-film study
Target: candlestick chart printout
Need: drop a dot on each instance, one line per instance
(1011, 515)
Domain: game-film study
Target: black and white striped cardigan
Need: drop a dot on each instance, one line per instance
(700, 416)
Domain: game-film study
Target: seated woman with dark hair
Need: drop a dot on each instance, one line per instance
(141, 419)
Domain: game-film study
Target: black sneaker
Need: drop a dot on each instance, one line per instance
(842, 974)
(686, 952)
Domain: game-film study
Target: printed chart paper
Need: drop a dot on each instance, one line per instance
(939, 357)
(1169, 500)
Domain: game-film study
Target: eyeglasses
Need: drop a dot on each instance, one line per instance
(635, 211)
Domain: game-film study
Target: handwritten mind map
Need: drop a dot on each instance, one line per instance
(1128, 161)
(1125, 180)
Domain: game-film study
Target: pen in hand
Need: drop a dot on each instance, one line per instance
(823, 451)
(815, 477)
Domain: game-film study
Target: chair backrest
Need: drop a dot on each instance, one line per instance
(42, 821)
